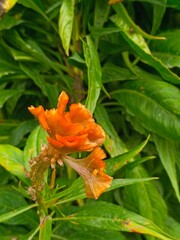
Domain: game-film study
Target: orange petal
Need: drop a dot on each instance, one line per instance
(96, 185)
(62, 101)
(79, 114)
(39, 113)
(91, 170)
(54, 143)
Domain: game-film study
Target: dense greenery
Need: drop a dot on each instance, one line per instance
(122, 61)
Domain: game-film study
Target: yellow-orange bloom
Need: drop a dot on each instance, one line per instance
(73, 131)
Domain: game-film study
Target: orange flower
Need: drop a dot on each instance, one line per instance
(91, 170)
(73, 131)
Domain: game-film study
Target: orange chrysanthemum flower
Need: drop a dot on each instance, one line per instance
(76, 131)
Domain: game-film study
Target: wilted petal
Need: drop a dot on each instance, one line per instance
(91, 169)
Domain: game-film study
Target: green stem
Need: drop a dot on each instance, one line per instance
(128, 63)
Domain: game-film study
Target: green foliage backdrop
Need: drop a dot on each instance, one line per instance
(120, 59)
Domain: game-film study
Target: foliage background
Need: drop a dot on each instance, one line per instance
(122, 61)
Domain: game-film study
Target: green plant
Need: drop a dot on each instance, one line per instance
(122, 61)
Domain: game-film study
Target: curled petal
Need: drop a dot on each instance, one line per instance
(39, 113)
(91, 169)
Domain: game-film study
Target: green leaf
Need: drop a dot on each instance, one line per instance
(137, 43)
(114, 164)
(150, 114)
(29, 47)
(117, 183)
(34, 74)
(173, 227)
(34, 143)
(169, 155)
(46, 229)
(174, 4)
(168, 50)
(94, 73)
(11, 158)
(35, 5)
(77, 189)
(7, 22)
(113, 144)
(144, 198)
(7, 94)
(100, 13)
(19, 132)
(96, 234)
(7, 232)
(112, 72)
(103, 215)
(158, 13)
(65, 23)
(31, 234)
(167, 95)
(10, 201)
(7, 65)
(7, 216)
(121, 11)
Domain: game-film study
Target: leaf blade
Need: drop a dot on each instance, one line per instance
(150, 114)
(11, 158)
(168, 152)
(66, 23)
(94, 73)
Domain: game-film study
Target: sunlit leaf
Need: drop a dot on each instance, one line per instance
(11, 158)
(66, 19)
(103, 215)
(94, 73)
